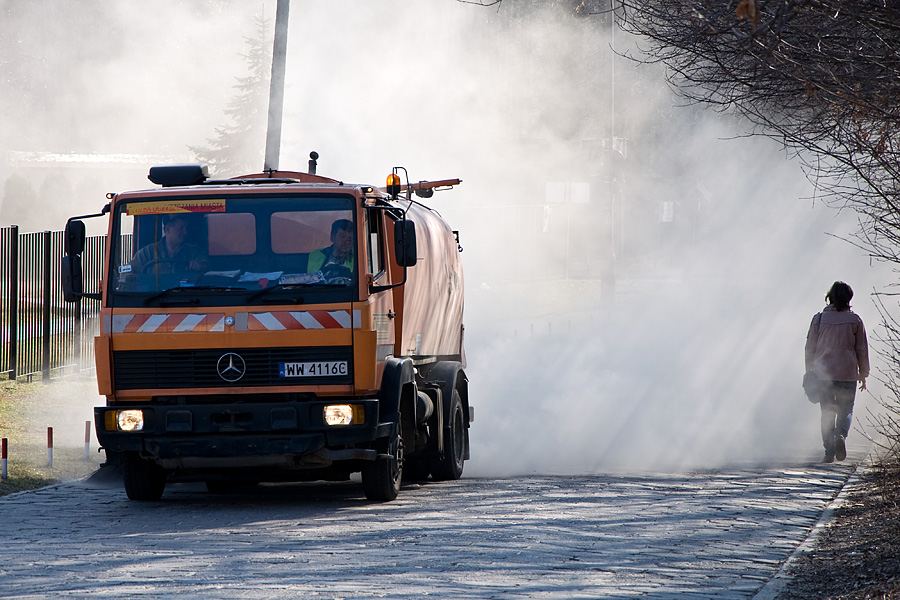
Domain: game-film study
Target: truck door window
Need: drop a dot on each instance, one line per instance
(125, 249)
(374, 238)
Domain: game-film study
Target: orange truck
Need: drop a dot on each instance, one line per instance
(279, 326)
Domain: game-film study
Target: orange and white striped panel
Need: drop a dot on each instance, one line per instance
(309, 319)
(165, 323)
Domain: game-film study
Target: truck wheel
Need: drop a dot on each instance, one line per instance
(381, 477)
(450, 466)
(144, 480)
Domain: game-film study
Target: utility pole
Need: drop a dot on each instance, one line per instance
(276, 86)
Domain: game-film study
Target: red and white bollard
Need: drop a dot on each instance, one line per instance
(87, 440)
(50, 447)
(3, 451)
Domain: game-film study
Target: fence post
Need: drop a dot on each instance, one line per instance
(76, 318)
(77, 335)
(13, 302)
(50, 447)
(45, 316)
(87, 440)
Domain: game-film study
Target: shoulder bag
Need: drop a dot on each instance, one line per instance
(812, 385)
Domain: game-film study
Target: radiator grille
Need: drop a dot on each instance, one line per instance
(168, 369)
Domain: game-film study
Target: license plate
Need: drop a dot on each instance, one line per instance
(313, 369)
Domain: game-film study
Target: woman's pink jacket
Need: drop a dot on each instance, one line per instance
(836, 346)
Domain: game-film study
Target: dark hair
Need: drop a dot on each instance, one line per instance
(341, 225)
(839, 295)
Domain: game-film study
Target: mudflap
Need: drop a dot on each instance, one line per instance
(450, 376)
(397, 373)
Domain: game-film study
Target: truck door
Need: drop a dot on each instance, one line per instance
(378, 274)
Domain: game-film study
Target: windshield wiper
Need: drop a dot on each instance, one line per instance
(194, 288)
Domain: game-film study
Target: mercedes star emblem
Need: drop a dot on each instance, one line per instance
(231, 367)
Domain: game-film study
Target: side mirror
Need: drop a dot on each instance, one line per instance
(70, 272)
(405, 243)
(72, 281)
(73, 241)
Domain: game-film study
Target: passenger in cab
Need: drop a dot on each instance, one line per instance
(171, 254)
(338, 256)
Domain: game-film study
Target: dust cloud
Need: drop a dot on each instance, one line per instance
(640, 277)
(722, 252)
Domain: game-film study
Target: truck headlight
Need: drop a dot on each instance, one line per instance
(344, 414)
(130, 420)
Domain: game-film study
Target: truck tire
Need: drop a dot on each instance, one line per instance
(144, 480)
(381, 478)
(450, 466)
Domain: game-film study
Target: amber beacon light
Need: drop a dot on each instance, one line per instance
(393, 185)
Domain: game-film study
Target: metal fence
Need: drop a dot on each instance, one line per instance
(40, 333)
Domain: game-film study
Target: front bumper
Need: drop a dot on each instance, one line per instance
(291, 435)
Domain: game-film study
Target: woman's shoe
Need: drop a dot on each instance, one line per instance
(840, 448)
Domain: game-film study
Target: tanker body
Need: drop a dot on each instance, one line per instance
(280, 326)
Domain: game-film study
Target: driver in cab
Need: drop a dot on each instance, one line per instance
(171, 253)
(340, 253)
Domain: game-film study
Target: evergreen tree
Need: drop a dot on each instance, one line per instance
(239, 147)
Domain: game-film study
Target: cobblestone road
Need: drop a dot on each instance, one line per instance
(701, 535)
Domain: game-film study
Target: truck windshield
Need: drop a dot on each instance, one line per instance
(233, 250)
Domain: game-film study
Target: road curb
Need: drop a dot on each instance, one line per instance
(777, 584)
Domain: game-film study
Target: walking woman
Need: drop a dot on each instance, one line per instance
(837, 354)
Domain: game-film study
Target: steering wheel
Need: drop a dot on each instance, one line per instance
(336, 274)
(154, 263)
